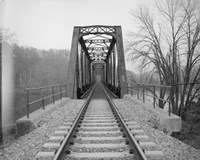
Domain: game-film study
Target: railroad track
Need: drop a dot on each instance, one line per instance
(98, 132)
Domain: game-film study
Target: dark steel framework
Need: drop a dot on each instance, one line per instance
(96, 50)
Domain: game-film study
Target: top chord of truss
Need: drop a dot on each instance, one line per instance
(97, 29)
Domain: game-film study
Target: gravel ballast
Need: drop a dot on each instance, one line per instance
(172, 148)
(27, 146)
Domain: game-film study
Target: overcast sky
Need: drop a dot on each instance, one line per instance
(48, 24)
(45, 24)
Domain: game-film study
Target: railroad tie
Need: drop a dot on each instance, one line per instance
(147, 144)
(67, 123)
(97, 155)
(61, 132)
(154, 154)
(64, 127)
(134, 127)
(56, 138)
(43, 155)
(137, 131)
(131, 123)
(142, 138)
(51, 145)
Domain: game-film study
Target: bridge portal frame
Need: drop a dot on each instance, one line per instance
(73, 69)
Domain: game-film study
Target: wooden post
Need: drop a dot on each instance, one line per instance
(143, 93)
(53, 94)
(127, 88)
(27, 102)
(170, 101)
(131, 89)
(43, 107)
(66, 90)
(60, 91)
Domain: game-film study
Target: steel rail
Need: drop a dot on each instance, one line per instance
(65, 146)
(84, 94)
(61, 152)
(114, 95)
(128, 133)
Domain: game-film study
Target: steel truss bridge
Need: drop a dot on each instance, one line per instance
(97, 53)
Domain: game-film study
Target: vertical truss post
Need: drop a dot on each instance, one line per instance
(111, 70)
(85, 58)
(93, 74)
(87, 73)
(77, 74)
(90, 72)
(71, 84)
(114, 66)
(107, 71)
(104, 69)
(82, 79)
(121, 62)
(84, 82)
(87, 70)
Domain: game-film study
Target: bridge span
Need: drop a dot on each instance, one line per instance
(96, 50)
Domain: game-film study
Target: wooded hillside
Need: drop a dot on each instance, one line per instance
(35, 68)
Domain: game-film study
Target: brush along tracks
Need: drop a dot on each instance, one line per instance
(98, 132)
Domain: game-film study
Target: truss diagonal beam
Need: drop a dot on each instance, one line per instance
(83, 46)
(111, 46)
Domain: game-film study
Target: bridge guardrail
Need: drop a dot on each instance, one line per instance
(56, 90)
(141, 90)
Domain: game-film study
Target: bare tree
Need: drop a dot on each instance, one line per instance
(168, 45)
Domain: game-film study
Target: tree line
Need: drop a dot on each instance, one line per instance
(35, 68)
